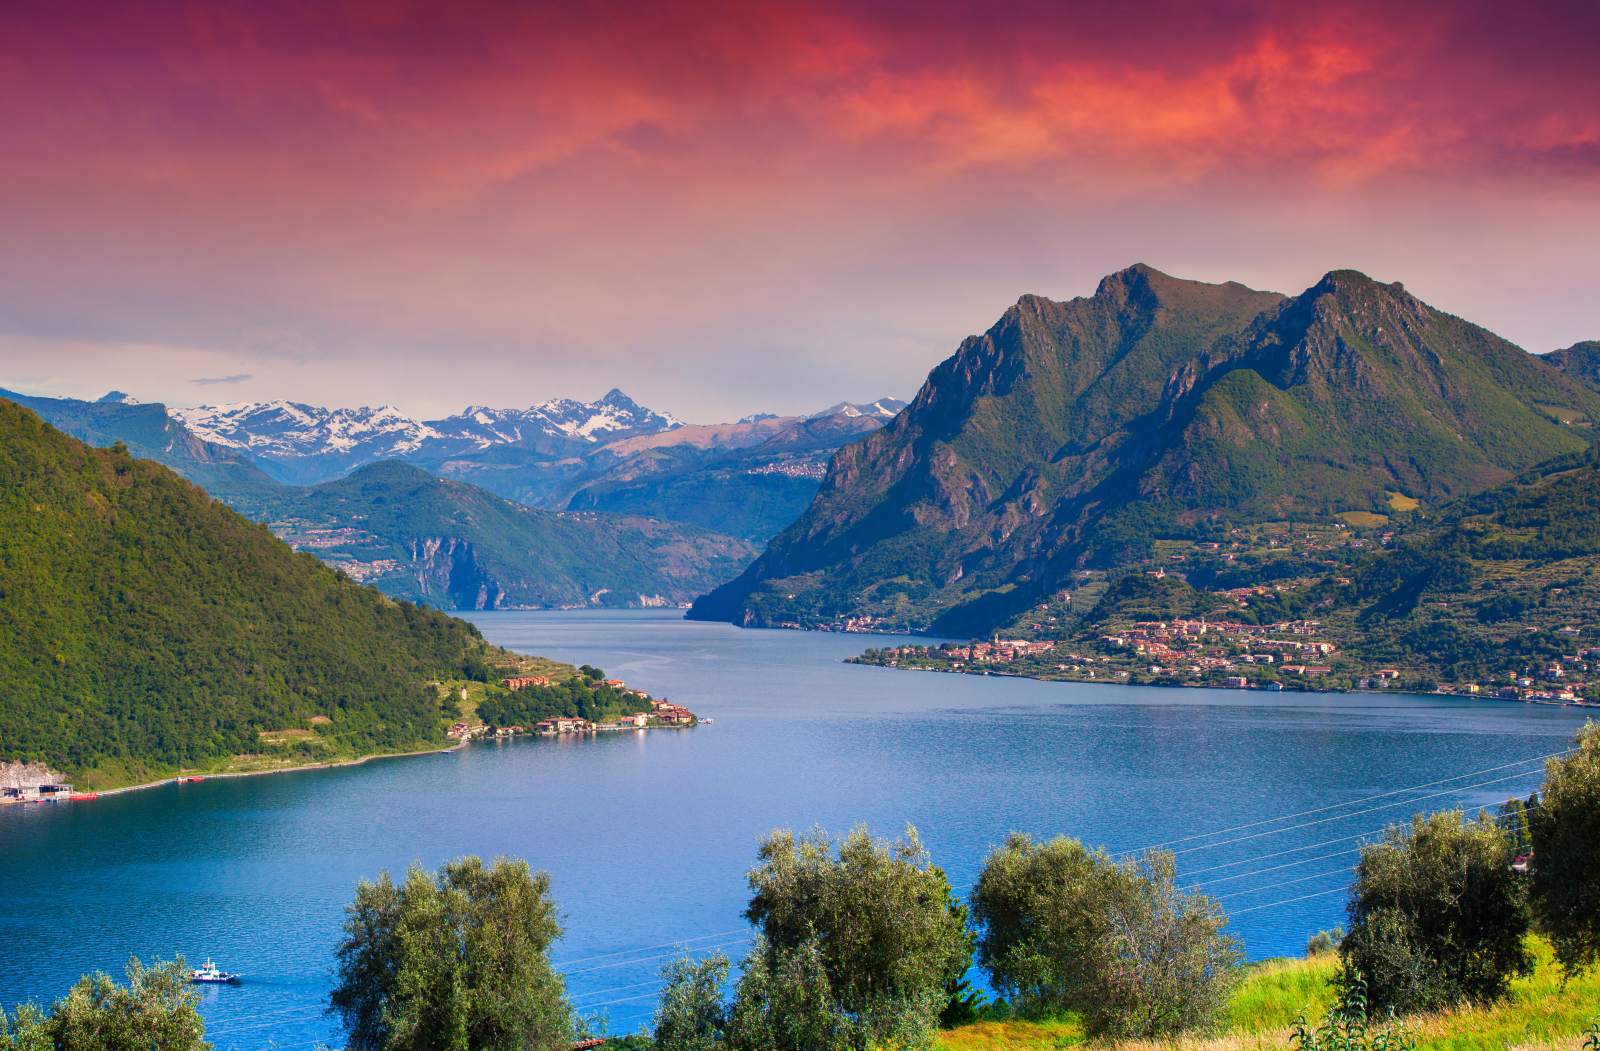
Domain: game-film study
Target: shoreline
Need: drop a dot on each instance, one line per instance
(449, 746)
(1295, 688)
(301, 768)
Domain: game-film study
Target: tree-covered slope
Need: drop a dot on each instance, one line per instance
(144, 625)
(150, 432)
(1581, 361)
(1073, 434)
(1503, 581)
(451, 544)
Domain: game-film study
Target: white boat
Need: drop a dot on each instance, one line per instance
(210, 974)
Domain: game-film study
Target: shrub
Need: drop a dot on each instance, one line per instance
(1437, 917)
(1066, 929)
(1565, 871)
(1324, 942)
(1347, 1027)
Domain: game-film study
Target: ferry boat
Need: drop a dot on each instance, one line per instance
(210, 974)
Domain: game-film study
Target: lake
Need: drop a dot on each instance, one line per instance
(647, 836)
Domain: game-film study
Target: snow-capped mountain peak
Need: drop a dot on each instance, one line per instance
(882, 409)
(285, 430)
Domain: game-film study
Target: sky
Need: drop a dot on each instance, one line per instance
(753, 206)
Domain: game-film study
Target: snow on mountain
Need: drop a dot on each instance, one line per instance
(292, 429)
(883, 409)
(285, 429)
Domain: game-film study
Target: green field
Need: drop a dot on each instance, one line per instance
(1539, 1014)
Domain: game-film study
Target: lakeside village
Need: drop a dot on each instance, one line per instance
(625, 709)
(1286, 655)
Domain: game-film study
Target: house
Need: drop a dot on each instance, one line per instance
(520, 682)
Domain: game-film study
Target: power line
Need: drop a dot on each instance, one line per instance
(620, 1000)
(658, 956)
(1356, 813)
(1336, 806)
(646, 948)
(1285, 883)
(620, 988)
(1289, 901)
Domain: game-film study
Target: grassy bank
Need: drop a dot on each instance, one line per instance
(1539, 1014)
(310, 747)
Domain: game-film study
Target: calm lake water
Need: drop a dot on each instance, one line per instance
(647, 836)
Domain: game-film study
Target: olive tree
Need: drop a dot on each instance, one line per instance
(453, 961)
(785, 1002)
(867, 926)
(1565, 870)
(1437, 916)
(690, 1015)
(155, 1009)
(1069, 929)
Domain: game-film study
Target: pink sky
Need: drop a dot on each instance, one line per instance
(751, 206)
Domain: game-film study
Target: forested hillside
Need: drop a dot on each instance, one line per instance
(1075, 435)
(1581, 361)
(144, 625)
(150, 432)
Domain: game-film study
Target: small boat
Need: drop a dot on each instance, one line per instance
(210, 974)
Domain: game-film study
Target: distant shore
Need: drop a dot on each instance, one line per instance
(1171, 684)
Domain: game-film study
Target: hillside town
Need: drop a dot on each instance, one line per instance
(1294, 655)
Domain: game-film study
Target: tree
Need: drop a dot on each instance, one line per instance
(785, 1002)
(1437, 917)
(155, 1009)
(872, 928)
(690, 1015)
(1065, 928)
(453, 961)
(1565, 868)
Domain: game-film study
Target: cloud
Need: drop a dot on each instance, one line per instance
(216, 381)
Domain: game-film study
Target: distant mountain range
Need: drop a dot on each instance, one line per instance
(660, 511)
(298, 442)
(450, 544)
(1076, 434)
(747, 479)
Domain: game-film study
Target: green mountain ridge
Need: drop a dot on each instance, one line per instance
(145, 626)
(1072, 434)
(150, 433)
(454, 545)
(1581, 361)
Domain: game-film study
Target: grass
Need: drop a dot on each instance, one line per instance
(1539, 1013)
(1402, 503)
(1363, 519)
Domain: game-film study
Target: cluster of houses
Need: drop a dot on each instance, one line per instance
(1201, 646)
(661, 713)
(522, 682)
